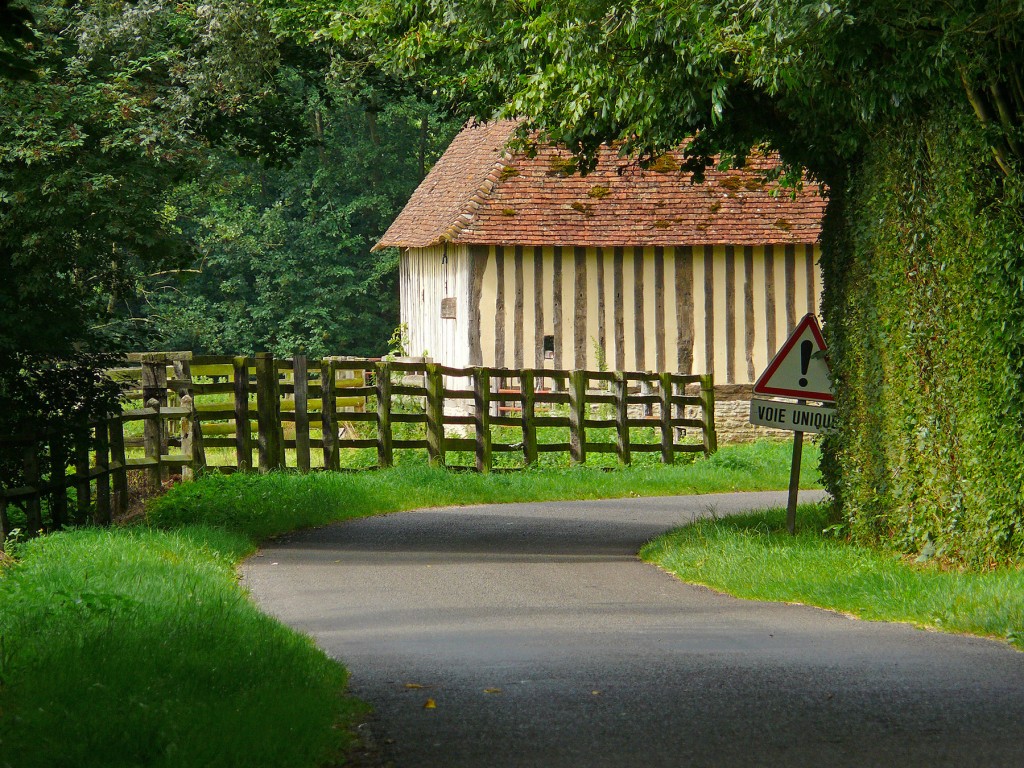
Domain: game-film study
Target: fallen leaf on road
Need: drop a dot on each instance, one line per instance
(414, 686)
(430, 704)
(492, 690)
(595, 693)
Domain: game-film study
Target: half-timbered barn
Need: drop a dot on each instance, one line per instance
(514, 260)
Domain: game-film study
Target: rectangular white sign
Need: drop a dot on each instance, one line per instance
(799, 418)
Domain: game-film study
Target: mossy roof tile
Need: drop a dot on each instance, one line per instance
(466, 196)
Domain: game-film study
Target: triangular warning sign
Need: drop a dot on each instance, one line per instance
(799, 369)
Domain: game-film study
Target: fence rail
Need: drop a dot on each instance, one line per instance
(282, 410)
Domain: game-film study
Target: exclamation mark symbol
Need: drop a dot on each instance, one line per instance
(806, 347)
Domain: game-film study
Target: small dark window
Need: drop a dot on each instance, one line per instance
(549, 347)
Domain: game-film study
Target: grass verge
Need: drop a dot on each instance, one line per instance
(260, 506)
(132, 647)
(752, 557)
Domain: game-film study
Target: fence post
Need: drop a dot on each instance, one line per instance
(5, 522)
(620, 390)
(152, 438)
(528, 389)
(243, 429)
(33, 509)
(300, 376)
(192, 440)
(58, 478)
(668, 451)
(385, 453)
(154, 387)
(482, 418)
(268, 412)
(191, 429)
(83, 492)
(707, 404)
(435, 415)
(646, 389)
(120, 477)
(102, 514)
(577, 412)
(329, 413)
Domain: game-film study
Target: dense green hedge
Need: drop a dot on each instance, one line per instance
(924, 268)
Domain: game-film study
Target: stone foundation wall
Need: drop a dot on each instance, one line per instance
(732, 417)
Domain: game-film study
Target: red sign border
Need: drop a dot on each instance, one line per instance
(761, 387)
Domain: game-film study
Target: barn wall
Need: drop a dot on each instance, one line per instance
(690, 309)
(425, 279)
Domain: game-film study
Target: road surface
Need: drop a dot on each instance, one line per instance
(542, 641)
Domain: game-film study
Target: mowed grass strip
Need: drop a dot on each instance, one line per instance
(753, 557)
(260, 506)
(136, 647)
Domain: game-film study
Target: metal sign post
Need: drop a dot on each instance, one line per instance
(798, 370)
(794, 480)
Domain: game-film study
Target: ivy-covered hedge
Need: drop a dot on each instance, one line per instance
(924, 310)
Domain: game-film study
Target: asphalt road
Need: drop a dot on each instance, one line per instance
(543, 641)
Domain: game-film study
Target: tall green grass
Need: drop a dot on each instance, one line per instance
(135, 647)
(265, 505)
(752, 557)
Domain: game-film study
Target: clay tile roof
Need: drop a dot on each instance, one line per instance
(478, 193)
(458, 184)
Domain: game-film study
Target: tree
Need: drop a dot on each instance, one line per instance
(186, 174)
(15, 33)
(811, 78)
(284, 215)
(110, 112)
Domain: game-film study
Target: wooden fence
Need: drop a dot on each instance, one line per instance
(284, 410)
(95, 491)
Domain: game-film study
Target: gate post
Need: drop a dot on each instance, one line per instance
(707, 404)
(385, 452)
(435, 415)
(577, 414)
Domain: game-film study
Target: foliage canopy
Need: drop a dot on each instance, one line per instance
(814, 79)
(190, 175)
